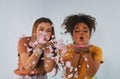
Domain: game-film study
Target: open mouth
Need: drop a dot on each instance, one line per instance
(81, 38)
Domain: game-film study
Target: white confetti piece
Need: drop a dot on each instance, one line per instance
(79, 66)
(76, 69)
(53, 71)
(33, 62)
(88, 66)
(31, 43)
(29, 49)
(85, 58)
(51, 49)
(25, 44)
(46, 65)
(50, 55)
(52, 36)
(76, 75)
(68, 64)
(42, 58)
(70, 75)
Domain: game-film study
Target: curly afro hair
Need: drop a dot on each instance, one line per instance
(72, 20)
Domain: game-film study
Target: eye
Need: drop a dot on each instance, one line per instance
(85, 30)
(41, 29)
(77, 30)
(49, 30)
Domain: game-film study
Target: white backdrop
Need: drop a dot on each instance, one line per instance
(17, 17)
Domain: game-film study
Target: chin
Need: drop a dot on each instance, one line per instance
(81, 43)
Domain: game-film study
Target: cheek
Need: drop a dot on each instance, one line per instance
(49, 34)
(88, 36)
(75, 37)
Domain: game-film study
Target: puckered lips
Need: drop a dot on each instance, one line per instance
(81, 38)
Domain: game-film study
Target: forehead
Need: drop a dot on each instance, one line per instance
(45, 25)
(81, 25)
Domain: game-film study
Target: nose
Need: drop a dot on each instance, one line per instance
(81, 32)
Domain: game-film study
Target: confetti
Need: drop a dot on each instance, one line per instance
(85, 58)
(68, 64)
(29, 49)
(33, 62)
(50, 55)
(76, 69)
(88, 66)
(51, 49)
(46, 65)
(76, 75)
(53, 71)
(25, 44)
(59, 52)
(70, 75)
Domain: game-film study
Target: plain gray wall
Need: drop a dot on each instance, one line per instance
(17, 17)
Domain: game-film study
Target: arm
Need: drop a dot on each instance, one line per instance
(29, 61)
(76, 57)
(49, 63)
(91, 64)
(92, 61)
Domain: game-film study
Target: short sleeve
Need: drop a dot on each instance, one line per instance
(69, 54)
(22, 45)
(97, 53)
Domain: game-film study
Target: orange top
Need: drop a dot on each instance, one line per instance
(23, 45)
(82, 73)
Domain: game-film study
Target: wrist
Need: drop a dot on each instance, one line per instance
(49, 55)
(85, 50)
(37, 50)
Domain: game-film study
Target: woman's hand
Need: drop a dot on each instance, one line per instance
(82, 48)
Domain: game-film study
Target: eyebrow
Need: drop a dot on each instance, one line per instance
(83, 27)
(44, 28)
(41, 27)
